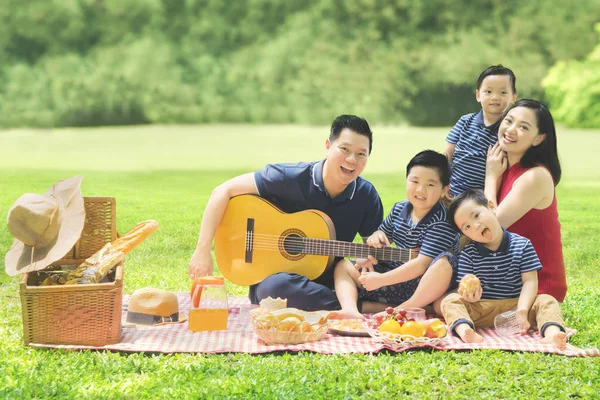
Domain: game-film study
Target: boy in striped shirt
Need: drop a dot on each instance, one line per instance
(507, 265)
(420, 221)
(469, 140)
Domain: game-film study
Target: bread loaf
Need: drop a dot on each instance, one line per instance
(135, 236)
(288, 313)
(96, 267)
(273, 304)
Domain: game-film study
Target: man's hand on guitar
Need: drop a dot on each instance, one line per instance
(201, 264)
(378, 239)
(371, 280)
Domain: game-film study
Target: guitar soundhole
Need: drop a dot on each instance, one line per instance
(291, 244)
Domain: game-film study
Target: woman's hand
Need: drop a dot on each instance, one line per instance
(496, 162)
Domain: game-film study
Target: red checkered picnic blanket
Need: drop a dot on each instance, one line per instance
(240, 338)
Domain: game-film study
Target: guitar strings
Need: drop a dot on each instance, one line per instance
(300, 241)
(298, 244)
(263, 238)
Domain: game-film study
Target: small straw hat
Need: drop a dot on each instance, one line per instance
(151, 307)
(45, 226)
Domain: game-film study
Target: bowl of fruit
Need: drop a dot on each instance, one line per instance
(399, 328)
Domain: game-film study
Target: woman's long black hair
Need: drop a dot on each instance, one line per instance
(546, 152)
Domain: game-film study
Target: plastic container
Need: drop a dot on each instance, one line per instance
(506, 324)
(209, 310)
(418, 314)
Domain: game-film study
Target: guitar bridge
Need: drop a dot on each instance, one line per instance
(249, 239)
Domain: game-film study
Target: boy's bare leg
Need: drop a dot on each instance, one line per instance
(346, 283)
(467, 334)
(433, 285)
(555, 336)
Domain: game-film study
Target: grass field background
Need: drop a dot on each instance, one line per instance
(167, 174)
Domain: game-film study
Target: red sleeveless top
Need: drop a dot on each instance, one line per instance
(542, 228)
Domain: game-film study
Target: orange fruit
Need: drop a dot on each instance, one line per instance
(413, 328)
(435, 328)
(390, 325)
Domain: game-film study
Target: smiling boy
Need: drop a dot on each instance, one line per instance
(507, 265)
(420, 221)
(474, 133)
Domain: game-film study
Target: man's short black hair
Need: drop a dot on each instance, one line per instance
(498, 70)
(353, 123)
(476, 195)
(432, 159)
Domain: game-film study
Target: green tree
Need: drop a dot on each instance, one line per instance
(573, 89)
(86, 62)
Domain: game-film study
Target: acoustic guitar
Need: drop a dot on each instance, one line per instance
(255, 239)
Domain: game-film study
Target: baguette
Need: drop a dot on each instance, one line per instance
(135, 236)
(96, 267)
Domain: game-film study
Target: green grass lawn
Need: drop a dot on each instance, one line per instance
(167, 174)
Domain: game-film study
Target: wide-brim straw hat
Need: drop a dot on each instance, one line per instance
(45, 226)
(152, 307)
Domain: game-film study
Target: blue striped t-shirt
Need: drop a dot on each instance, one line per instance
(472, 139)
(499, 271)
(432, 233)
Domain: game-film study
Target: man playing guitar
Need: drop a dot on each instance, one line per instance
(332, 185)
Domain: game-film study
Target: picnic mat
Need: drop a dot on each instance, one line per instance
(240, 338)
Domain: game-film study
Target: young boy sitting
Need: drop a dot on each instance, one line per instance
(474, 133)
(420, 221)
(507, 265)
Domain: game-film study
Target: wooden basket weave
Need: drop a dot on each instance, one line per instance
(77, 314)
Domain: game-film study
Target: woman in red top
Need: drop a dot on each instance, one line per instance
(521, 174)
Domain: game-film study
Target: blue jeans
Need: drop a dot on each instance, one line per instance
(300, 292)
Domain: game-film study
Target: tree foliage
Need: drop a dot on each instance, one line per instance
(98, 62)
(573, 89)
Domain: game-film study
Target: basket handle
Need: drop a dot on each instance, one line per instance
(23, 282)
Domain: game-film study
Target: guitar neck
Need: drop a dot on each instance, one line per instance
(339, 248)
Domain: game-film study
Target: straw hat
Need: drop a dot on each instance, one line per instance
(45, 226)
(150, 306)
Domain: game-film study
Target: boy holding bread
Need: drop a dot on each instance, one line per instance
(506, 265)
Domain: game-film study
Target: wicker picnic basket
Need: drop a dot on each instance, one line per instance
(88, 314)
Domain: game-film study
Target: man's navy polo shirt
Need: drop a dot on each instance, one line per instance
(433, 234)
(298, 187)
(472, 139)
(499, 271)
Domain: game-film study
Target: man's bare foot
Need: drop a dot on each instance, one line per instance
(346, 314)
(558, 339)
(467, 334)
